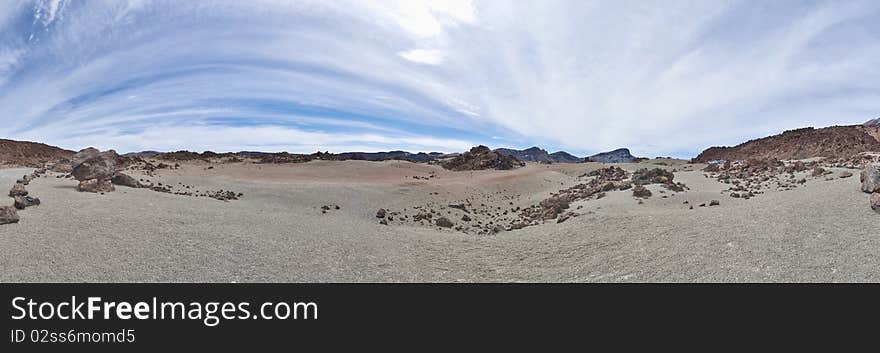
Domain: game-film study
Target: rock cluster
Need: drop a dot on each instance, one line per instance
(21, 197)
(752, 177)
(472, 216)
(98, 171)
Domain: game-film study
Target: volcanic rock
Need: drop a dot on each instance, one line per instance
(609, 174)
(8, 215)
(875, 201)
(18, 190)
(96, 165)
(646, 176)
(125, 180)
(22, 202)
(95, 185)
(444, 222)
(381, 213)
(870, 178)
(641, 192)
(553, 206)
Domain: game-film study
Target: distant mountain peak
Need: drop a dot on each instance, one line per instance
(537, 154)
(620, 155)
(872, 122)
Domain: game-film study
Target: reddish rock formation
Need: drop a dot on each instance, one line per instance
(830, 142)
(30, 154)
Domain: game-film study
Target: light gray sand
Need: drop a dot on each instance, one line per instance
(823, 231)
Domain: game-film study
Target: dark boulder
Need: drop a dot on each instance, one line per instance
(8, 215)
(18, 190)
(22, 202)
(870, 178)
(125, 180)
(101, 166)
(641, 192)
(444, 222)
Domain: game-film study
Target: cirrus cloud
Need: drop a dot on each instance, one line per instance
(663, 78)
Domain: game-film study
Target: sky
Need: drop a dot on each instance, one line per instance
(663, 78)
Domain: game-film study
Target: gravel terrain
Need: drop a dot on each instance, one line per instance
(822, 231)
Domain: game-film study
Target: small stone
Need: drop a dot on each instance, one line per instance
(444, 222)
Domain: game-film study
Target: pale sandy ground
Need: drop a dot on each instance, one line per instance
(823, 231)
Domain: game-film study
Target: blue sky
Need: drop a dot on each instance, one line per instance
(660, 77)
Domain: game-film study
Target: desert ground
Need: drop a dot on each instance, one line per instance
(277, 231)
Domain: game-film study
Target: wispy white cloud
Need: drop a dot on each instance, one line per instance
(171, 137)
(423, 56)
(663, 78)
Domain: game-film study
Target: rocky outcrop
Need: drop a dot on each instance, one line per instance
(481, 158)
(8, 215)
(608, 174)
(95, 170)
(89, 164)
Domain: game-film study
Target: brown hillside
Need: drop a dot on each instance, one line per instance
(831, 142)
(30, 154)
